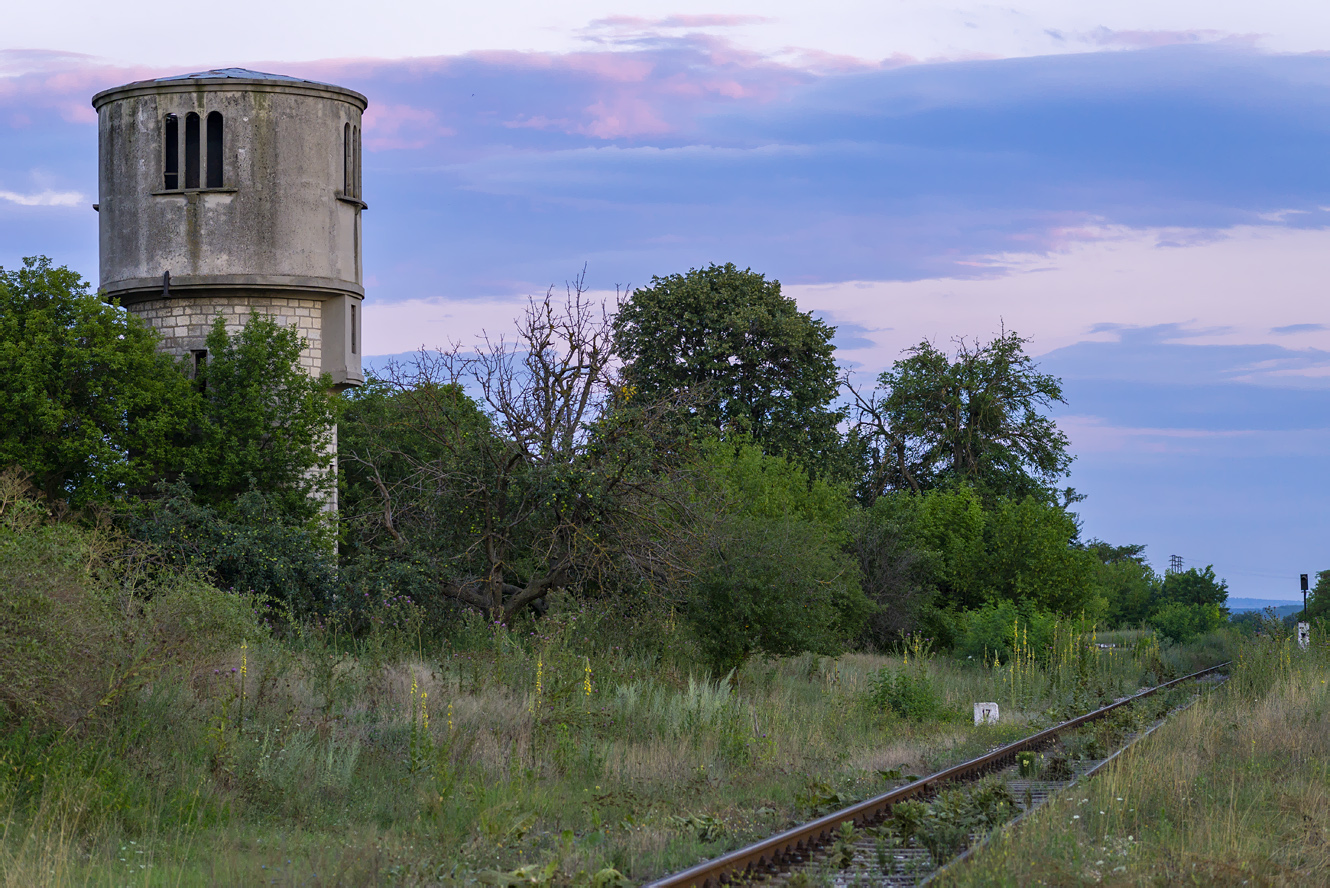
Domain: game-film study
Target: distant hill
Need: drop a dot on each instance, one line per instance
(1283, 608)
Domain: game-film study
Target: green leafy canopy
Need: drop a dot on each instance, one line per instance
(758, 365)
(88, 406)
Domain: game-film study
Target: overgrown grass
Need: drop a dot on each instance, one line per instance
(563, 752)
(1233, 791)
(507, 752)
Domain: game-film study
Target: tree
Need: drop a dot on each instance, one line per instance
(265, 424)
(755, 363)
(1033, 556)
(975, 418)
(1126, 582)
(897, 574)
(1318, 603)
(1190, 602)
(87, 405)
(559, 482)
(1195, 587)
(774, 576)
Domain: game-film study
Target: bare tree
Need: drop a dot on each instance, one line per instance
(551, 477)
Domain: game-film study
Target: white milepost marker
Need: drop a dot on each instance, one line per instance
(985, 713)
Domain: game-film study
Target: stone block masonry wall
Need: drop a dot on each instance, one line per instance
(184, 322)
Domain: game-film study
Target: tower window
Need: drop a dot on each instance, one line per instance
(200, 356)
(355, 161)
(215, 150)
(354, 330)
(191, 150)
(346, 159)
(171, 151)
(350, 160)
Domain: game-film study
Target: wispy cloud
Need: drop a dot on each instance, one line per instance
(672, 22)
(1144, 39)
(45, 198)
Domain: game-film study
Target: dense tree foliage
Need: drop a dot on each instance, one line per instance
(1125, 581)
(682, 463)
(265, 424)
(775, 576)
(754, 363)
(253, 546)
(560, 482)
(931, 556)
(88, 406)
(1318, 602)
(1190, 602)
(1194, 587)
(94, 412)
(974, 418)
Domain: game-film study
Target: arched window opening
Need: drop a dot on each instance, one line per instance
(215, 150)
(171, 152)
(355, 161)
(346, 159)
(191, 150)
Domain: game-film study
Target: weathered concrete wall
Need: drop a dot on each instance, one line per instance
(281, 231)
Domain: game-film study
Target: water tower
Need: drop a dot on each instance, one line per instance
(229, 193)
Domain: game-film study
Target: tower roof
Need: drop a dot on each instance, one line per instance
(227, 78)
(235, 74)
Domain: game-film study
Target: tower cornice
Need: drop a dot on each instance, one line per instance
(201, 83)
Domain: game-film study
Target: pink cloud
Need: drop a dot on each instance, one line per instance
(622, 117)
(37, 81)
(821, 62)
(389, 127)
(653, 88)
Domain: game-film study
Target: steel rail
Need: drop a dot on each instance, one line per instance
(797, 844)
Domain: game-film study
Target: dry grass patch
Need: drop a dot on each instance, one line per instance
(1233, 791)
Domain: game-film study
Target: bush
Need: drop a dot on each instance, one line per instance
(254, 547)
(989, 630)
(774, 577)
(78, 630)
(909, 693)
(775, 586)
(1181, 622)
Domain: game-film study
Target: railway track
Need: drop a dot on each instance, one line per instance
(868, 860)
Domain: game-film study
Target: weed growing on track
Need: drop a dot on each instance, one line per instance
(1233, 791)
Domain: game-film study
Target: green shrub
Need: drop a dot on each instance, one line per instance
(990, 630)
(81, 625)
(774, 577)
(252, 547)
(909, 693)
(775, 586)
(1182, 622)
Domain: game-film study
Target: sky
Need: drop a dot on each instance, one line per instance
(1141, 189)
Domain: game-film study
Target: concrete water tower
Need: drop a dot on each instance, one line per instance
(230, 193)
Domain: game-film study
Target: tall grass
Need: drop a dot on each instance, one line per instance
(1233, 791)
(225, 755)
